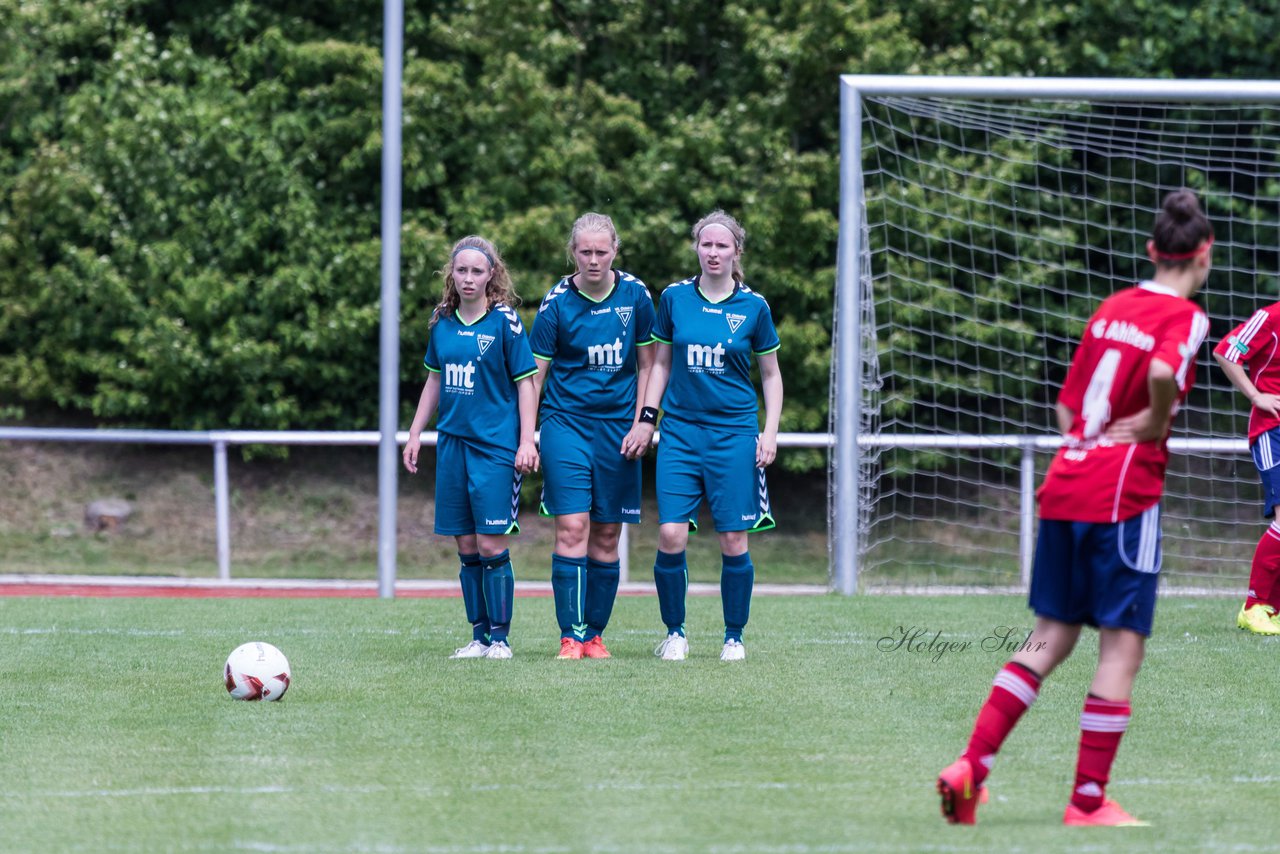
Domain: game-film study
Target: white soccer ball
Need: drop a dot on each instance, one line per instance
(257, 671)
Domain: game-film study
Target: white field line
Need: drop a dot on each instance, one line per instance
(431, 791)
(408, 585)
(542, 587)
(1170, 591)
(448, 790)
(648, 847)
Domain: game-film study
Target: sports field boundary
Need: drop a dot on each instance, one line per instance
(285, 588)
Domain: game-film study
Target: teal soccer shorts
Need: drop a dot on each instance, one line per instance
(477, 488)
(583, 469)
(696, 462)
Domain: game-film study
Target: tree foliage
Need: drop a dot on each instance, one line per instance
(190, 193)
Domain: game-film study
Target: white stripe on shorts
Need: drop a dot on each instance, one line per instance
(1264, 452)
(1150, 539)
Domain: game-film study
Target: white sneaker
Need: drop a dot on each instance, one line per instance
(674, 647)
(498, 650)
(475, 649)
(733, 651)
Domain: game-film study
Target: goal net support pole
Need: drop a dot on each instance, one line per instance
(855, 351)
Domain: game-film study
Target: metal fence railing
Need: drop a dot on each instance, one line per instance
(220, 440)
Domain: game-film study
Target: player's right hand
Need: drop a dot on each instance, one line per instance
(410, 455)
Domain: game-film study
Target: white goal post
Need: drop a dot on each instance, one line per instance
(981, 221)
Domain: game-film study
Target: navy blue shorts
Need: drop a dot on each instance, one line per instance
(1266, 456)
(1098, 573)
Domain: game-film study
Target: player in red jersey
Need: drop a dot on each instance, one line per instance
(1250, 356)
(1098, 550)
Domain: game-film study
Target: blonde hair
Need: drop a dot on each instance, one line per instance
(719, 217)
(590, 222)
(499, 290)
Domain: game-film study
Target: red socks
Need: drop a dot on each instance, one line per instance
(1265, 568)
(1102, 725)
(1013, 692)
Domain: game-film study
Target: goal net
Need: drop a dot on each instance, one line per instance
(991, 228)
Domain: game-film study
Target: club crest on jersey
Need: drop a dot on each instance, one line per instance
(624, 314)
(484, 341)
(735, 320)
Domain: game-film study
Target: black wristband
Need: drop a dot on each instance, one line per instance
(648, 415)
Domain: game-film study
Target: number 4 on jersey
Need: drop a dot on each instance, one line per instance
(1097, 397)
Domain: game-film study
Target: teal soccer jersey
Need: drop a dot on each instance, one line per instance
(711, 349)
(592, 347)
(479, 364)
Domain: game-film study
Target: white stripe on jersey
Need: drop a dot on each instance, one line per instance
(1249, 330)
(561, 287)
(1199, 329)
(742, 286)
(1260, 371)
(513, 319)
(1124, 469)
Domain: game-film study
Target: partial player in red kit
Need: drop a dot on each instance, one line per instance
(1098, 552)
(1250, 358)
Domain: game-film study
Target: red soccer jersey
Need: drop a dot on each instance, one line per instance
(1093, 479)
(1253, 345)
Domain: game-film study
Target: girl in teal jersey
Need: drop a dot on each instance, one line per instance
(592, 342)
(481, 380)
(707, 330)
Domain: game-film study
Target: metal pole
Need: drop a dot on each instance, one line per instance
(222, 509)
(389, 374)
(624, 554)
(1027, 514)
(848, 404)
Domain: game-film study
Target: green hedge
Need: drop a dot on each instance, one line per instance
(189, 194)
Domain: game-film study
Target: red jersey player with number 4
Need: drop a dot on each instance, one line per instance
(1249, 357)
(1098, 552)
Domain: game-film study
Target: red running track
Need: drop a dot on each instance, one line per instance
(208, 592)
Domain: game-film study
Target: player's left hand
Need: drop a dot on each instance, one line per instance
(766, 449)
(1267, 404)
(527, 458)
(637, 440)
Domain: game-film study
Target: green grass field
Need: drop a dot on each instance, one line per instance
(116, 733)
